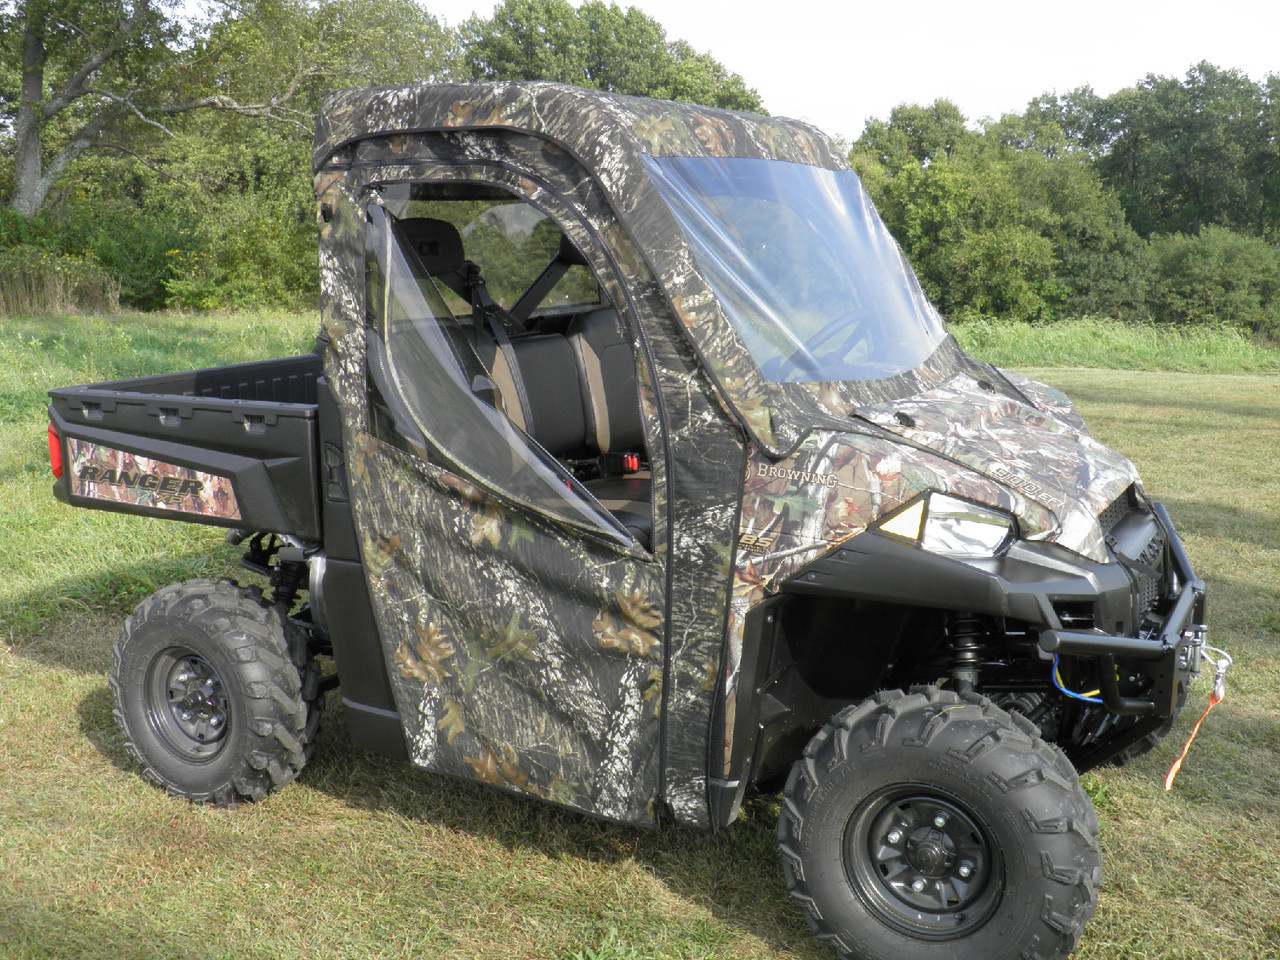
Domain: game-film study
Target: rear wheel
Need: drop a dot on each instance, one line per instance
(927, 825)
(216, 694)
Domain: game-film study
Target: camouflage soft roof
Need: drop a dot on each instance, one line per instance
(580, 120)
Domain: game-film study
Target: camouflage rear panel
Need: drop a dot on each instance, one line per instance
(106, 473)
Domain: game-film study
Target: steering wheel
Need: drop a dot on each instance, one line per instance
(804, 360)
(828, 331)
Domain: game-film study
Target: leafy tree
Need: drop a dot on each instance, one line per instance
(1054, 124)
(1007, 220)
(1267, 170)
(81, 63)
(1182, 154)
(1218, 277)
(916, 134)
(599, 46)
(247, 180)
(99, 72)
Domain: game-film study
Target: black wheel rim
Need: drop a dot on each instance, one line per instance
(187, 704)
(923, 862)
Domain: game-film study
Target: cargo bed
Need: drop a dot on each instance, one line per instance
(234, 446)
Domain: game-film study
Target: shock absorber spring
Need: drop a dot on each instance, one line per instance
(966, 633)
(286, 580)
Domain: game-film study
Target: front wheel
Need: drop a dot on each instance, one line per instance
(930, 825)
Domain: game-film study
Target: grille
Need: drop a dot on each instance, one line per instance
(1153, 550)
(1150, 587)
(1120, 507)
(1138, 542)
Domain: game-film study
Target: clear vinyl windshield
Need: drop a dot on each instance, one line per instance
(802, 266)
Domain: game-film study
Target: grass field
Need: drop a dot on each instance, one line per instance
(366, 858)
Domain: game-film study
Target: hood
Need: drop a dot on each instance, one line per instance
(1025, 452)
(1038, 448)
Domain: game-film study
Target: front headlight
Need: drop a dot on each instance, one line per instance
(952, 527)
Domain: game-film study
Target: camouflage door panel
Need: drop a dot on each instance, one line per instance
(465, 671)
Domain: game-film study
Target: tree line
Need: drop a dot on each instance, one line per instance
(164, 161)
(1160, 202)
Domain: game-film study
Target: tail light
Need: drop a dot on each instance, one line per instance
(55, 453)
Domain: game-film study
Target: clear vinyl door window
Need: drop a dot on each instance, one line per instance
(438, 398)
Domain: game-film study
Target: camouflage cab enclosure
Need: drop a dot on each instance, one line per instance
(794, 388)
(647, 515)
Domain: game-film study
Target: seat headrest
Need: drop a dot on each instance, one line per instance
(436, 242)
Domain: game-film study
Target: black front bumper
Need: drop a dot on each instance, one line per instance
(1172, 648)
(1148, 594)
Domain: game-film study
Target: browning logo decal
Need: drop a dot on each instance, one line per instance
(105, 473)
(797, 476)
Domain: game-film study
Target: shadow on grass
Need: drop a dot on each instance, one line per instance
(736, 874)
(72, 623)
(1230, 522)
(99, 727)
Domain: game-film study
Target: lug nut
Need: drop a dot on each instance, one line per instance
(917, 885)
(216, 721)
(895, 835)
(185, 714)
(183, 677)
(966, 870)
(940, 821)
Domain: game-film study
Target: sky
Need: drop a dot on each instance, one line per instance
(837, 63)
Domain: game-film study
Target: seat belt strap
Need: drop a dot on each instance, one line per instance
(482, 306)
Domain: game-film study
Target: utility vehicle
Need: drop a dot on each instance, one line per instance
(634, 471)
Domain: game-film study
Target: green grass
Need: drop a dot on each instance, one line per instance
(364, 857)
(1095, 342)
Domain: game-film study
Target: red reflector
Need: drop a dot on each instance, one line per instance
(55, 452)
(631, 462)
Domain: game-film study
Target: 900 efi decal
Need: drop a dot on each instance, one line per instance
(105, 473)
